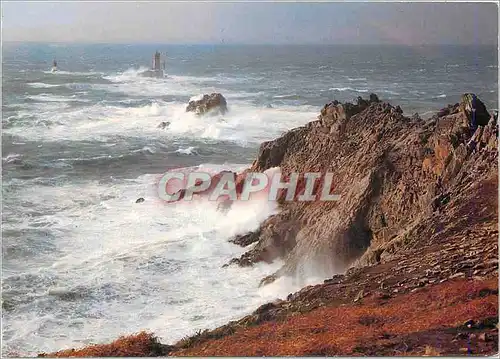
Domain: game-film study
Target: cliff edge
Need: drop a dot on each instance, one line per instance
(410, 249)
(402, 181)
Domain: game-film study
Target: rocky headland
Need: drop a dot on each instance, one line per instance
(410, 250)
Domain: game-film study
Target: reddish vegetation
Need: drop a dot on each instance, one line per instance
(376, 323)
(138, 345)
(432, 320)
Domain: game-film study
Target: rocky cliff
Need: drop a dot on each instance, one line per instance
(402, 180)
(410, 250)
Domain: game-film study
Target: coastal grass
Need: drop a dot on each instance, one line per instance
(137, 345)
(425, 322)
(421, 323)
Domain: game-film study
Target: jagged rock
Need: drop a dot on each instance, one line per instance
(267, 280)
(213, 103)
(336, 111)
(374, 98)
(402, 182)
(163, 124)
(247, 239)
(336, 279)
(475, 110)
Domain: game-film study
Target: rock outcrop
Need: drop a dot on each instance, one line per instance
(401, 180)
(410, 250)
(163, 125)
(214, 103)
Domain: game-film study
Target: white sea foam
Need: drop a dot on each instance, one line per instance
(356, 78)
(122, 266)
(11, 157)
(191, 150)
(243, 123)
(46, 97)
(115, 266)
(196, 98)
(42, 85)
(347, 88)
(72, 73)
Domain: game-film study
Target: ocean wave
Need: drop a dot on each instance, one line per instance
(348, 89)
(244, 124)
(129, 74)
(72, 73)
(288, 97)
(146, 149)
(390, 92)
(42, 85)
(191, 150)
(12, 157)
(47, 97)
(194, 79)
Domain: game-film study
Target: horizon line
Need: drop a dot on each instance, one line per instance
(236, 43)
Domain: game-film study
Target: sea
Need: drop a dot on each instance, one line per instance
(82, 262)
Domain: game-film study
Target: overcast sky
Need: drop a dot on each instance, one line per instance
(257, 23)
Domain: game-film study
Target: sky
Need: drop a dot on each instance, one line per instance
(251, 22)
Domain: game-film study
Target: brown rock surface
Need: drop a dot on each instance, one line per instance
(410, 250)
(213, 103)
(402, 182)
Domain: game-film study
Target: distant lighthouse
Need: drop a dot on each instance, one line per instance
(156, 61)
(156, 69)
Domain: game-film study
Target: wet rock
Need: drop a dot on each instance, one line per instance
(214, 103)
(267, 280)
(163, 124)
(247, 239)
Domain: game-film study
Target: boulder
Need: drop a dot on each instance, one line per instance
(214, 103)
(163, 124)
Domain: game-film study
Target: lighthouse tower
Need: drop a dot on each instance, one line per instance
(155, 70)
(156, 61)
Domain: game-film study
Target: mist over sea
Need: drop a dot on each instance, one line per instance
(82, 262)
